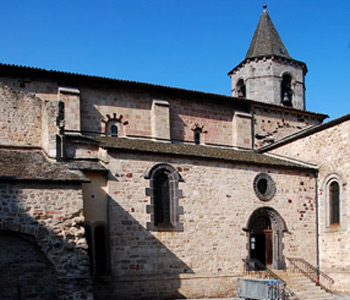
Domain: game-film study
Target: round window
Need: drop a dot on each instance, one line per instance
(264, 186)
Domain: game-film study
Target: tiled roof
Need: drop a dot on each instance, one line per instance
(82, 165)
(32, 165)
(266, 40)
(193, 151)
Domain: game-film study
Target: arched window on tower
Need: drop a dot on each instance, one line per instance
(334, 211)
(240, 89)
(286, 90)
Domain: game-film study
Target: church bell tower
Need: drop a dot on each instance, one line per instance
(268, 73)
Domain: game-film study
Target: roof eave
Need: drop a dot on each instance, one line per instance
(246, 60)
(41, 180)
(244, 162)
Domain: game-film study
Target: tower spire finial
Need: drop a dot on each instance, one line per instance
(264, 6)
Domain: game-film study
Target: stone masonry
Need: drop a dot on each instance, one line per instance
(328, 148)
(51, 215)
(84, 214)
(20, 118)
(205, 258)
(263, 77)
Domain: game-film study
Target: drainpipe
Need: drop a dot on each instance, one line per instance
(317, 234)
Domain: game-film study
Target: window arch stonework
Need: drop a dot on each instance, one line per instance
(264, 186)
(164, 196)
(198, 133)
(332, 202)
(114, 125)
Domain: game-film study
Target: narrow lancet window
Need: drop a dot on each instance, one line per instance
(162, 198)
(334, 203)
(197, 136)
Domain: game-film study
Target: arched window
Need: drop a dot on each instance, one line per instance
(334, 198)
(161, 198)
(96, 237)
(197, 136)
(286, 90)
(114, 130)
(333, 195)
(240, 89)
(114, 125)
(164, 192)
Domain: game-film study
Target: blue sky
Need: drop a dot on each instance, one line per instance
(190, 44)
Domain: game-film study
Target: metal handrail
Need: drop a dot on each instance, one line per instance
(313, 273)
(257, 267)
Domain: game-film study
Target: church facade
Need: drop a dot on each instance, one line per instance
(113, 189)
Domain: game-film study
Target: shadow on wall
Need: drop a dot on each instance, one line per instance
(177, 127)
(42, 243)
(184, 114)
(91, 118)
(143, 267)
(24, 270)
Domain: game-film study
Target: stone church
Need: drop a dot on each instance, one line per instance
(114, 189)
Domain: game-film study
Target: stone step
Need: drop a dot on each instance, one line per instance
(313, 297)
(303, 287)
(315, 293)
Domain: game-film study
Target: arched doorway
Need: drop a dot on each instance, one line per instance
(261, 240)
(265, 233)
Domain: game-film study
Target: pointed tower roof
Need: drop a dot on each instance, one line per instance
(266, 40)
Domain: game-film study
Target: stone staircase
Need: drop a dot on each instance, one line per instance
(303, 287)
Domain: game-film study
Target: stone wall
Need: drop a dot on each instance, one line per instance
(43, 88)
(97, 104)
(52, 216)
(329, 149)
(131, 110)
(272, 125)
(20, 118)
(25, 272)
(217, 200)
(215, 120)
(263, 77)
